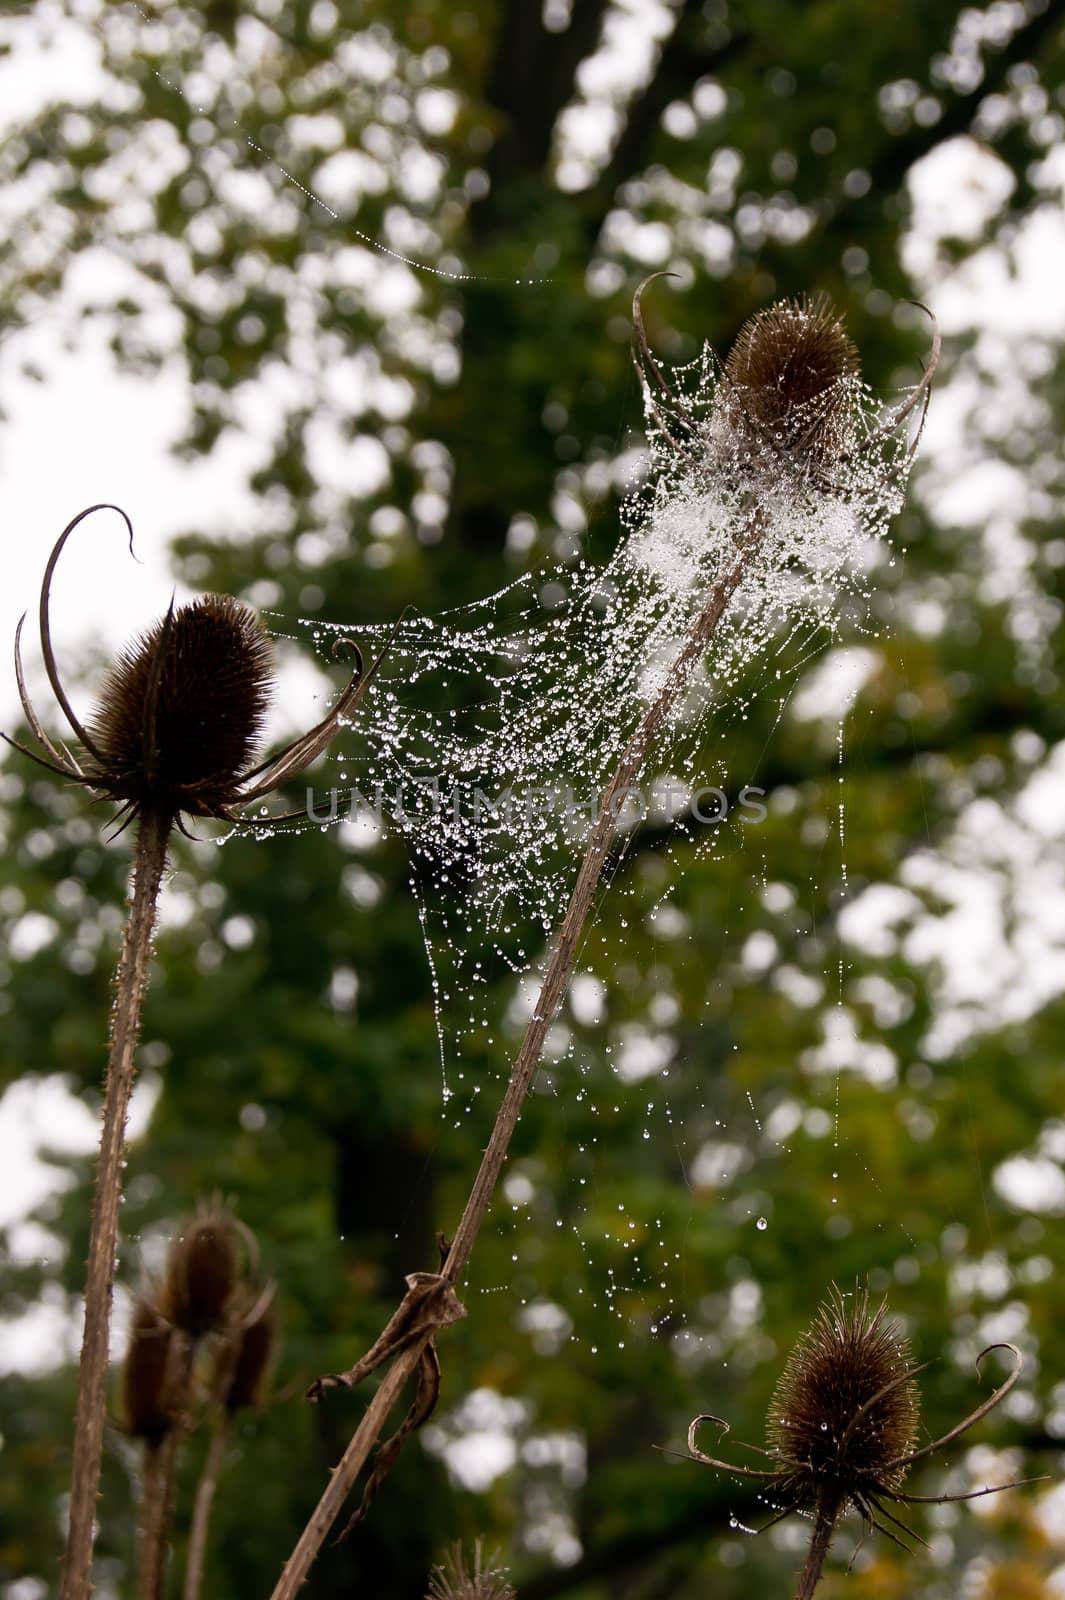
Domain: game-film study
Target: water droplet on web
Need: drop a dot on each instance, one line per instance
(762, 1224)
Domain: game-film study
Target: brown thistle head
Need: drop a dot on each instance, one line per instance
(845, 1409)
(202, 1274)
(147, 1375)
(181, 711)
(787, 378)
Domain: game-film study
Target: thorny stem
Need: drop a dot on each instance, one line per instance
(825, 1519)
(552, 989)
(131, 980)
(201, 1511)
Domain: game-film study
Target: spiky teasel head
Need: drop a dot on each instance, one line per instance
(846, 1407)
(150, 1403)
(789, 379)
(177, 724)
(842, 1426)
(786, 411)
(454, 1580)
(203, 1273)
(181, 711)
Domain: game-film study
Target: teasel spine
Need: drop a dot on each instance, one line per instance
(825, 1518)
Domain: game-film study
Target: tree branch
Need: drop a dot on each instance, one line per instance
(532, 78)
(681, 63)
(903, 151)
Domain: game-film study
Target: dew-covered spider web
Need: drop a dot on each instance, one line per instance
(489, 733)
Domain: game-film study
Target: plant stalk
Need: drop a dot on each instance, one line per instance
(156, 1517)
(553, 987)
(201, 1511)
(131, 979)
(153, 1493)
(155, 1523)
(825, 1519)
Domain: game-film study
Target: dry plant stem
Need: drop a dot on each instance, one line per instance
(155, 1521)
(130, 983)
(201, 1511)
(556, 977)
(153, 1494)
(152, 1573)
(344, 1475)
(825, 1520)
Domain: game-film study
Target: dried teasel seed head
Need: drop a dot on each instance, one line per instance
(845, 1407)
(147, 1375)
(243, 1362)
(202, 1274)
(453, 1580)
(181, 713)
(182, 708)
(787, 378)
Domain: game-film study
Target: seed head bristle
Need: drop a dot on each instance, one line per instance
(816, 1426)
(244, 1360)
(455, 1581)
(147, 1375)
(786, 375)
(211, 666)
(202, 1272)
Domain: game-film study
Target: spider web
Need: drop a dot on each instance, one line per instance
(490, 732)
